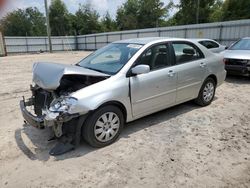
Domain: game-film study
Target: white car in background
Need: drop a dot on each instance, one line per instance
(212, 45)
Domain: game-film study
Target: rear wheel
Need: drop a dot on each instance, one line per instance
(207, 92)
(103, 126)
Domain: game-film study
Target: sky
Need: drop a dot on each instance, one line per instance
(102, 6)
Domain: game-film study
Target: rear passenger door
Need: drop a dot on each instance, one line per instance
(190, 68)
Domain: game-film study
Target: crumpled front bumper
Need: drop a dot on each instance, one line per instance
(68, 138)
(49, 119)
(32, 120)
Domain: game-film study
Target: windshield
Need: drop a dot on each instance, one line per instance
(243, 44)
(111, 58)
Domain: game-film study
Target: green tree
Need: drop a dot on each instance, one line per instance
(108, 24)
(127, 15)
(27, 22)
(87, 20)
(37, 21)
(73, 23)
(188, 9)
(59, 18)
(152, 13)
(216, 12)
(236, 9)
(138, 14)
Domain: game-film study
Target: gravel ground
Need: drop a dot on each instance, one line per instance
(184, 146)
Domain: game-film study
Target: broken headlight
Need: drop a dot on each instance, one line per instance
(62, 104)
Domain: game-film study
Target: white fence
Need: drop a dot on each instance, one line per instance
(35, 44)
(223, 32)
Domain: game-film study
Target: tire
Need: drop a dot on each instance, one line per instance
(206, 99)
(97, 131)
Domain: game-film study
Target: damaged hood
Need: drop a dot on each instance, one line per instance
(49, 75)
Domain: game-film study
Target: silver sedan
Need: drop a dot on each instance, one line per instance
(237, 57)
(119, 83)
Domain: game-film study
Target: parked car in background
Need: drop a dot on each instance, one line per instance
(237, 57)
(212, 45)
(119, 83)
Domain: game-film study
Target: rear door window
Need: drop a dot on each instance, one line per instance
(186, 52)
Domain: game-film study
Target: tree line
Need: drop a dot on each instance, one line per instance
(133, 14)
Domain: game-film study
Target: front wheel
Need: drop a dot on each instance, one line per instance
(207, 92)
(103, 126)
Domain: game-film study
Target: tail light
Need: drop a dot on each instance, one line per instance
(225, 61)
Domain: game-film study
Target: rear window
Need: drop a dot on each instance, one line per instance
(209, 44)
(186, 52)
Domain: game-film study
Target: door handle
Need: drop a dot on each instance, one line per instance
(202, 64)
(171, 73)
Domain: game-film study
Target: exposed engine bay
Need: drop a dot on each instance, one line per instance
(69, 83)
(72, 83)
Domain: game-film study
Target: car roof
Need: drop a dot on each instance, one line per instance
(147, 40)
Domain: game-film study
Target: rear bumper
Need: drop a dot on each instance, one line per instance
(32, 120)
(221, 76)
(238, 70)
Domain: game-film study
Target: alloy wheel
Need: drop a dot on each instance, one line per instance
(208, 92)
(106, 127)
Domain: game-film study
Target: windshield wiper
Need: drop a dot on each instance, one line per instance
(95, 70)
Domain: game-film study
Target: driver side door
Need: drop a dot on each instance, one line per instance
(156, 90)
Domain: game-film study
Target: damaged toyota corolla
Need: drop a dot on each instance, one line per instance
(119, 83)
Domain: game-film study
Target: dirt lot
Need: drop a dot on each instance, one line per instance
(185, 146)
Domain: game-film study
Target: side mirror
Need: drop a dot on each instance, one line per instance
(140, 69)
(226, 47)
